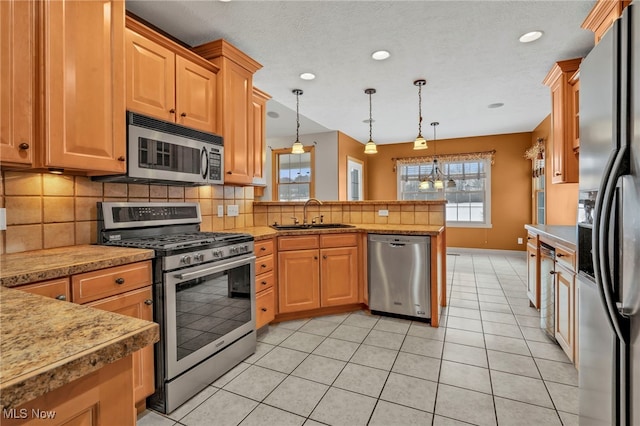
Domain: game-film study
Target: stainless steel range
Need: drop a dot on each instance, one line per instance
(203, 290)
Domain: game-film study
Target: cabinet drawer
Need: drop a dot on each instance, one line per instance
(532, 238)
(56, 289)
(263, 248)
(298, 243)
(265, 281)
(566, 257)
(264, 264)
(109, 282)
(338, 240)
(265, 307)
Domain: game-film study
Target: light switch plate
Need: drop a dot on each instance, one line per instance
(220, 210)
(383, 212)
(232, 210)
(3, 219)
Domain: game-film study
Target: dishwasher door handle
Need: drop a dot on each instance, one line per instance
(396, 245)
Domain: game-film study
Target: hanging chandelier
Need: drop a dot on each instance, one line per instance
(420, 142)
(297, 147)
(370, 147)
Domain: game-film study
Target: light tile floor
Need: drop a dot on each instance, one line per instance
(489, 363)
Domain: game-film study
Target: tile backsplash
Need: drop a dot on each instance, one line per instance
(46, 210)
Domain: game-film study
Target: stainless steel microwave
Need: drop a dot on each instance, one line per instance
(159, 152)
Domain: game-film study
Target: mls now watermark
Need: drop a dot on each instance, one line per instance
(25, 413)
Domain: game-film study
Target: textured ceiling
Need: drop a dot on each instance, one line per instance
(468, 51)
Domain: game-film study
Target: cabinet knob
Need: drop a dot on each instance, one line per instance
(557, 174)
(61, 297)
(121, 158)
(263, 249)
(263, 309)
(148, 302)
(315, 257)
(560, 255)
(263, 283)
(324, 256)
(172, 111)
(263, 266)
(552, 272)
(119, 280)
(532, 255)
(229, 172)
(184, 114)
(529, 238)
(23, 146)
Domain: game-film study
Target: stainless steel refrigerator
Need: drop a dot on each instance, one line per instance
(609, 227)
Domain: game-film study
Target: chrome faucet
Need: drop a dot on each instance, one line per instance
(306, 204)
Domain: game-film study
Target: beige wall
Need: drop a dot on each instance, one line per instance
(561, 198)
(510, 186)
(46, 210)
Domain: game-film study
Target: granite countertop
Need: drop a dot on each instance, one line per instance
(563, 233)
(265, 232)
(39, 265)
(47, 343)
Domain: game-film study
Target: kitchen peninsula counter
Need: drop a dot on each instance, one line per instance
(566, 234)
(47, 343)
(39, 265)
(265, 232)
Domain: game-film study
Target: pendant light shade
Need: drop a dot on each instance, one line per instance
(420, 142)
(370, 147)
(297, 147)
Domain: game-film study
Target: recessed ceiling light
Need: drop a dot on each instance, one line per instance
(273, 114)
(496, 105)
(307, 76)
(380, 55)
(530, 36)
(225, 1)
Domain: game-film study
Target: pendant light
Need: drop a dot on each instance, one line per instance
(370, 147)
(297, 147)
(437, 183)
(424, 183)
(420, 142)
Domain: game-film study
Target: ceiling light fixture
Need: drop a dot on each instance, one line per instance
(307, 76)
(380, 55)
(297, 147)
(530, 36)
(370, 147)
(420, 142)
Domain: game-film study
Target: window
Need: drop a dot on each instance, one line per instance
(467, 187)
(293, 174)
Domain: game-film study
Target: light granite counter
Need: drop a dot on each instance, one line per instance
(264, 232)
(39, 265)
(564, 234)
(47, 343)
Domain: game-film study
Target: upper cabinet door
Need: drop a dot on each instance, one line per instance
(150, 78)
(260, 99)
(16, 81)
(84, 89)
(195, 95)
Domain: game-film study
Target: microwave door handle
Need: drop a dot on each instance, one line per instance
(204, 162)
(213, 269)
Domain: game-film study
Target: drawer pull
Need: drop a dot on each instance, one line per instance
(61, 297)
(532, 255)
(560, 255)
(172, 111)
(263, 266)
(23, 146)
(263, 283)
(263, 249)
(148, 302)
(552, 272)
(529, 238)
(263, 309)
(184, 114)
(324, 256)
(119, 281)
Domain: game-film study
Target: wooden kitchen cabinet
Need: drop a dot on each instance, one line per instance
(81, 76)
(235, 108)
(17, 62)
(260, 99)
(265, 281)
(565, 309)
(167, 81)
(56, 289)
(602, 16)
(92, 286)
(136, 304)
(564, 160)
(533, 274)
(318, 271)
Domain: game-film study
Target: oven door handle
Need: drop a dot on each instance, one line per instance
(218, 268)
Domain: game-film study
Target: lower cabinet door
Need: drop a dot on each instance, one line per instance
(137, 304)
(298, 281)
(339, 276)
(265, 307)
(564, 309)
(533, 274)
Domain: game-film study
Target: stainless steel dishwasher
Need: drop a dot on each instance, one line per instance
(400, 275)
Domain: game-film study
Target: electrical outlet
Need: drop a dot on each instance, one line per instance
(3, 219)
(519, 240)
(383, 212)
(232, 210)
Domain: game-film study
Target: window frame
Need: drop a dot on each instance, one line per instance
(275, 163)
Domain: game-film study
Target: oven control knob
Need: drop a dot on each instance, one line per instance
(217, 253)
(198, 257)
(186, 260)
(233, 250)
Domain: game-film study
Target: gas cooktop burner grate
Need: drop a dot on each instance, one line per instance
(173, 241)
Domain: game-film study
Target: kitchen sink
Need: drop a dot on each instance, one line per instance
(311, 226)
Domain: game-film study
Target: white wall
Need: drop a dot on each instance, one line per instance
(325, 167)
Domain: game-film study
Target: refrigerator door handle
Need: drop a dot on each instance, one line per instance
(629, 245)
